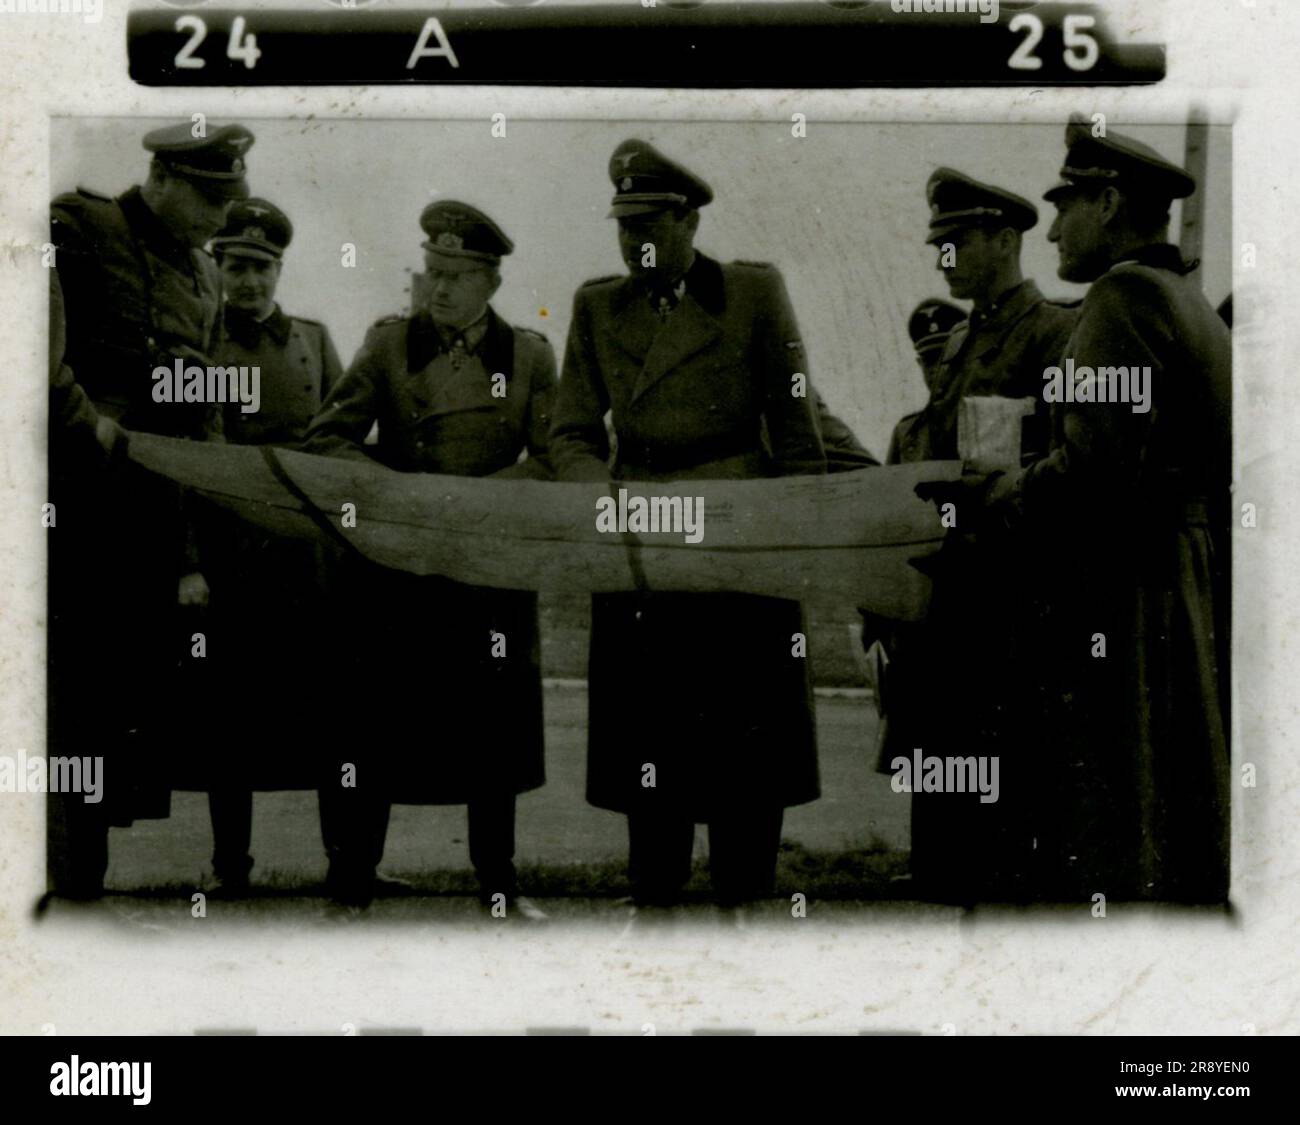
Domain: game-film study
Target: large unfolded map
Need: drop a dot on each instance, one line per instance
(847, 538)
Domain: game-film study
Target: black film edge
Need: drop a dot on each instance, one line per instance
(773, 46)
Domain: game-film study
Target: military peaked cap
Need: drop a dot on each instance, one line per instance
(646, 181)
(213, 163)
(957, 201)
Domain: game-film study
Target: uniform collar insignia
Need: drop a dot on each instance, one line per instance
(496, 347)
(704, 282)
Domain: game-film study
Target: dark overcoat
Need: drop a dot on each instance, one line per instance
(1128, 517)
(962, 682)
(134, 299)
(706, 688)
(268, 654)
(1000, 351)
(451, 706)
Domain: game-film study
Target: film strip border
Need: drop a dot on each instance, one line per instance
(645, 1029)
(814, 44)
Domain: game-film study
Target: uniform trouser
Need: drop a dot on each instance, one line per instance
(742, 855)
(353, 828)
(112, 636)
(232, 831)
(77, 846)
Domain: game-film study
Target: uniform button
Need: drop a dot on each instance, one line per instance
(419, 445)
(415, 413)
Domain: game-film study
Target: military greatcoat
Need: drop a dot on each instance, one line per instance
(962, 687)
(1127, 515)
(268, 642)
(450, 695)
(134, 299)
(705, 687)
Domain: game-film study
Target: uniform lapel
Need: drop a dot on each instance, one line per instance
(690, 329)
(636, 323)
(422, 347)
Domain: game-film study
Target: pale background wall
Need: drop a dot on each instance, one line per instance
(841, 211)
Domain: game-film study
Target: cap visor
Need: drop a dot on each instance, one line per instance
(938, 234)
(1059, 191)
(626, 210)
(933, 343)
(447, 254)
(233, 249)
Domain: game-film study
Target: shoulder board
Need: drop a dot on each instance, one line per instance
(532, 332)
(82, 202)
(603, 280)
(308, 320)
(1062, 303)
(396, 318)
(756, 265)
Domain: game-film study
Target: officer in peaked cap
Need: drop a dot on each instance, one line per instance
(693, 359)
(1138, 497)
(963, 849)
(958, 202)
(647, 186)
(1013, 331)
(139, 292)
(646, 182)
(928, 327)
(1093, 161)
(459, 231)
(268, 590)
(213, 163)
(1098, 173)
(456, 390)
(255, 228)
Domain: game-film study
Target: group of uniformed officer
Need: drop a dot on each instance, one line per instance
(680, 369)
(1079, 624)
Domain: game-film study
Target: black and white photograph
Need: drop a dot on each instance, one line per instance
(523, 556)
(404, 665)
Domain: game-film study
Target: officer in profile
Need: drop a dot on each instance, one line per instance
(267, 603)
(1135, 496)
(970, 690)
(694, 360)
(1013, 331)
(139, 292)
(449, 705)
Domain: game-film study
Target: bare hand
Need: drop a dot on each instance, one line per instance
(193, 591)
(111, 437)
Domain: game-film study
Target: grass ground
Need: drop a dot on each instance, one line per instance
(850, 844)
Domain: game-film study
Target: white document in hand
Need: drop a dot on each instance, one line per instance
(988, 431)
